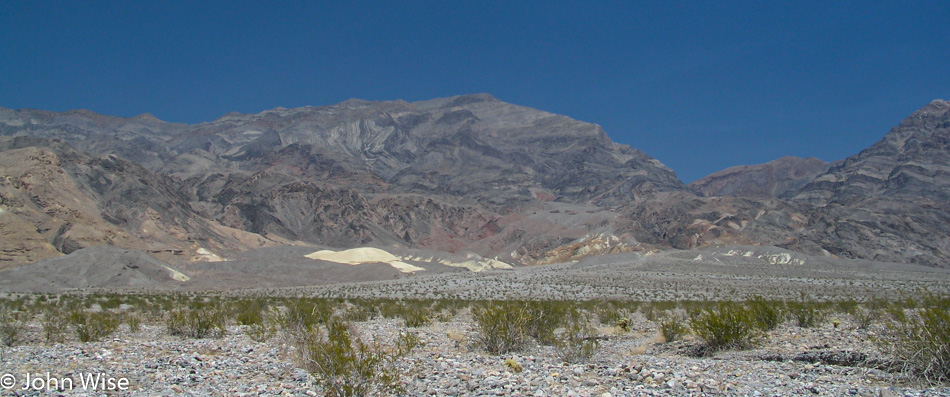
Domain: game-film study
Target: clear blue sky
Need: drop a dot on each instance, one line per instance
(699, 85)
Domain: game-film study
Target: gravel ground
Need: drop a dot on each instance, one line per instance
(790, 362)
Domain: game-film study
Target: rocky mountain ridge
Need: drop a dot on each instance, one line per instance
(467, 174)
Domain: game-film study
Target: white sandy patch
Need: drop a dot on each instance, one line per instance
(204, 255)
(358, 256)
(177, 275)
(473, 263)
(2, 210)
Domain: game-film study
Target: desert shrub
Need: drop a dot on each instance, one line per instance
(578, 341)
(406, 342)
(305, 313)
(415, 315)
(134, 321)
(359, 310)
(650, 311)
(501, 326)
(607, 313)
(921, 343)
(342, 363)
(249, 311)
(93, 326)
(728, 326)
(847, 306)
(766, 314)
(55, 324)
(623, 324)
(197, 322)
(806, 314)
(267, 327)
(864, 316)
(544, 317)
(672, 327)
(11, 326)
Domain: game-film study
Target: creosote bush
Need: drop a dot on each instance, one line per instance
(577, 342)
(343, 363)
(197, 322)
(728, 326)
(766, 314)
(54, 323)
(501, 326)
(672, 327)
(543, 317)
(806, 314)
(11, 327)
(93, 326)
(920, 344)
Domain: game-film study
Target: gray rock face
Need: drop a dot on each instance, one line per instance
(765, 181)
(911, 162)
(887, 203)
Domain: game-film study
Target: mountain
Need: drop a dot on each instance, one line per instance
(56, 200)
(764, 181)
(467, 175)
(911, 162)
(888, 203)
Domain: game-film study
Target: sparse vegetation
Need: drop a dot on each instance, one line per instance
(343, 363)
(766, 314)
(11, 327)
(578, 341)
(501, 326)
(728, 326)
(920, 344)
(93, 326)
(54, 325)
(672, 327)
(197, 322)
(806, 314)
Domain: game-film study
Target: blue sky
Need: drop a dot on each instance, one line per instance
(699, 85)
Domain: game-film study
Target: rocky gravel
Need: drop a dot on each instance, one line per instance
(791, 362)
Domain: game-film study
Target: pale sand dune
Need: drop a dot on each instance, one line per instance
(357, 256)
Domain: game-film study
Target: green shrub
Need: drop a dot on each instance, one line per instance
(607, 313)
(249, 311)
(766, 314)
(501, 326)
(55, 324)
(133, 321)
(93, 326)
(415, 315)
(921, 343)
(728, 326)
(406, 342)
(197, 323)
(267, 327)
(359, 311)
(11, 326)
(305, 314)
(806, 314)
(672, 328)
(342, 363)
(864, 316)
(543, 317)
(577, 342)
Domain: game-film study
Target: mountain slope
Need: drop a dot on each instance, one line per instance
(63, 199)
(911, 162)
(769, 180)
